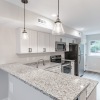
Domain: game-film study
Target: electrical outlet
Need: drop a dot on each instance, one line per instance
(11, 87)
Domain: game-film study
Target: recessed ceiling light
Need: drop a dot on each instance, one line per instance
(80, 29)
(54, 15)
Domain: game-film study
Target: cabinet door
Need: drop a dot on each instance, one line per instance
(47, 42)
(23, 43)
(60, 38)
(63, 39)
(33, 41)
(41, 41)
(52, 43)
(72, 40)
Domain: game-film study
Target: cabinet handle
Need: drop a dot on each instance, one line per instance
(44, 49)
(30, 49)
(60, 39)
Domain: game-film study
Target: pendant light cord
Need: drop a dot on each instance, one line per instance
(58, 8)
(24, 16)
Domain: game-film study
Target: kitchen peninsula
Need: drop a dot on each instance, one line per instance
(46, 85)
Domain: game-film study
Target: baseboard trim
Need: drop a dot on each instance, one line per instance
(94, 71)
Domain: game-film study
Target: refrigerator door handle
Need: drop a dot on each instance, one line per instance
(80, 55)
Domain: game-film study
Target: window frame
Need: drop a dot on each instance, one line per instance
(89, 49)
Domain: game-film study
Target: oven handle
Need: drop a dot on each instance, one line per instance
(66, 66)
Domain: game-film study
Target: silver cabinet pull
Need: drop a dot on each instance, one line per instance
(30, 49)
(44, 49)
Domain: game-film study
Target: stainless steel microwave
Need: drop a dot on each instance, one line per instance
(60, 46)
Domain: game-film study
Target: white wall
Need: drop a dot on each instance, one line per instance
(93, 62)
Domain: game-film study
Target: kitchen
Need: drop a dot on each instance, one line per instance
(38, 67)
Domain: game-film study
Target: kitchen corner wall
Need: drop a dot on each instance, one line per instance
(92, 62)
(8, 48)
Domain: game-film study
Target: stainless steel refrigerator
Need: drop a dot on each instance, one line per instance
(76, 52)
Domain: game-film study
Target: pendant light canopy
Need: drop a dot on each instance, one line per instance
(58, 27)
(25, 34)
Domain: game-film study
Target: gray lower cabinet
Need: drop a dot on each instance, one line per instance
(3, 85)
(18, 90)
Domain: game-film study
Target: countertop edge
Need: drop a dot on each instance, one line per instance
(92, 90)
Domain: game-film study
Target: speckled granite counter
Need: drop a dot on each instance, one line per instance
(91, 87)
(56, 85)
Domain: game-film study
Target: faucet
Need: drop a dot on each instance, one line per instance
(39, 61)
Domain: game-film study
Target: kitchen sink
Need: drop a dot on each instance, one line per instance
(41, 66)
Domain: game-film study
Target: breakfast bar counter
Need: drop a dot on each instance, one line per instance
(57, 86)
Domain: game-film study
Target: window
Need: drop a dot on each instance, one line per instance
(94, 47)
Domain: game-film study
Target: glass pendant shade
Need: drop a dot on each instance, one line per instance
(25, 35)
(58, 28)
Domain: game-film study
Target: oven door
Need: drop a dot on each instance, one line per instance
(66, 69)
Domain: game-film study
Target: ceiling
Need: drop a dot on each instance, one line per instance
(82, 15)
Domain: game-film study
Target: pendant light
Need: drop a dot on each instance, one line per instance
(24, 33)
(58, 28)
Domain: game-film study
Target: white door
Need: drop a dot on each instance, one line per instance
(47, 42)
(41, 41)
(63, 39)
(58, 38)
(52, 43)
(33, 41)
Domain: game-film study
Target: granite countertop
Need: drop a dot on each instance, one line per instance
(92, 83)
(48, 64)
(91, 87)
(58, 86)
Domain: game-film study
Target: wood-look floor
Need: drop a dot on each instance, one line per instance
(94, 76)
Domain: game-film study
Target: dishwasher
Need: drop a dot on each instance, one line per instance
(66, 67)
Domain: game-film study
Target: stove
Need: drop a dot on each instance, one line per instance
(66, 66)
(55, 58)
